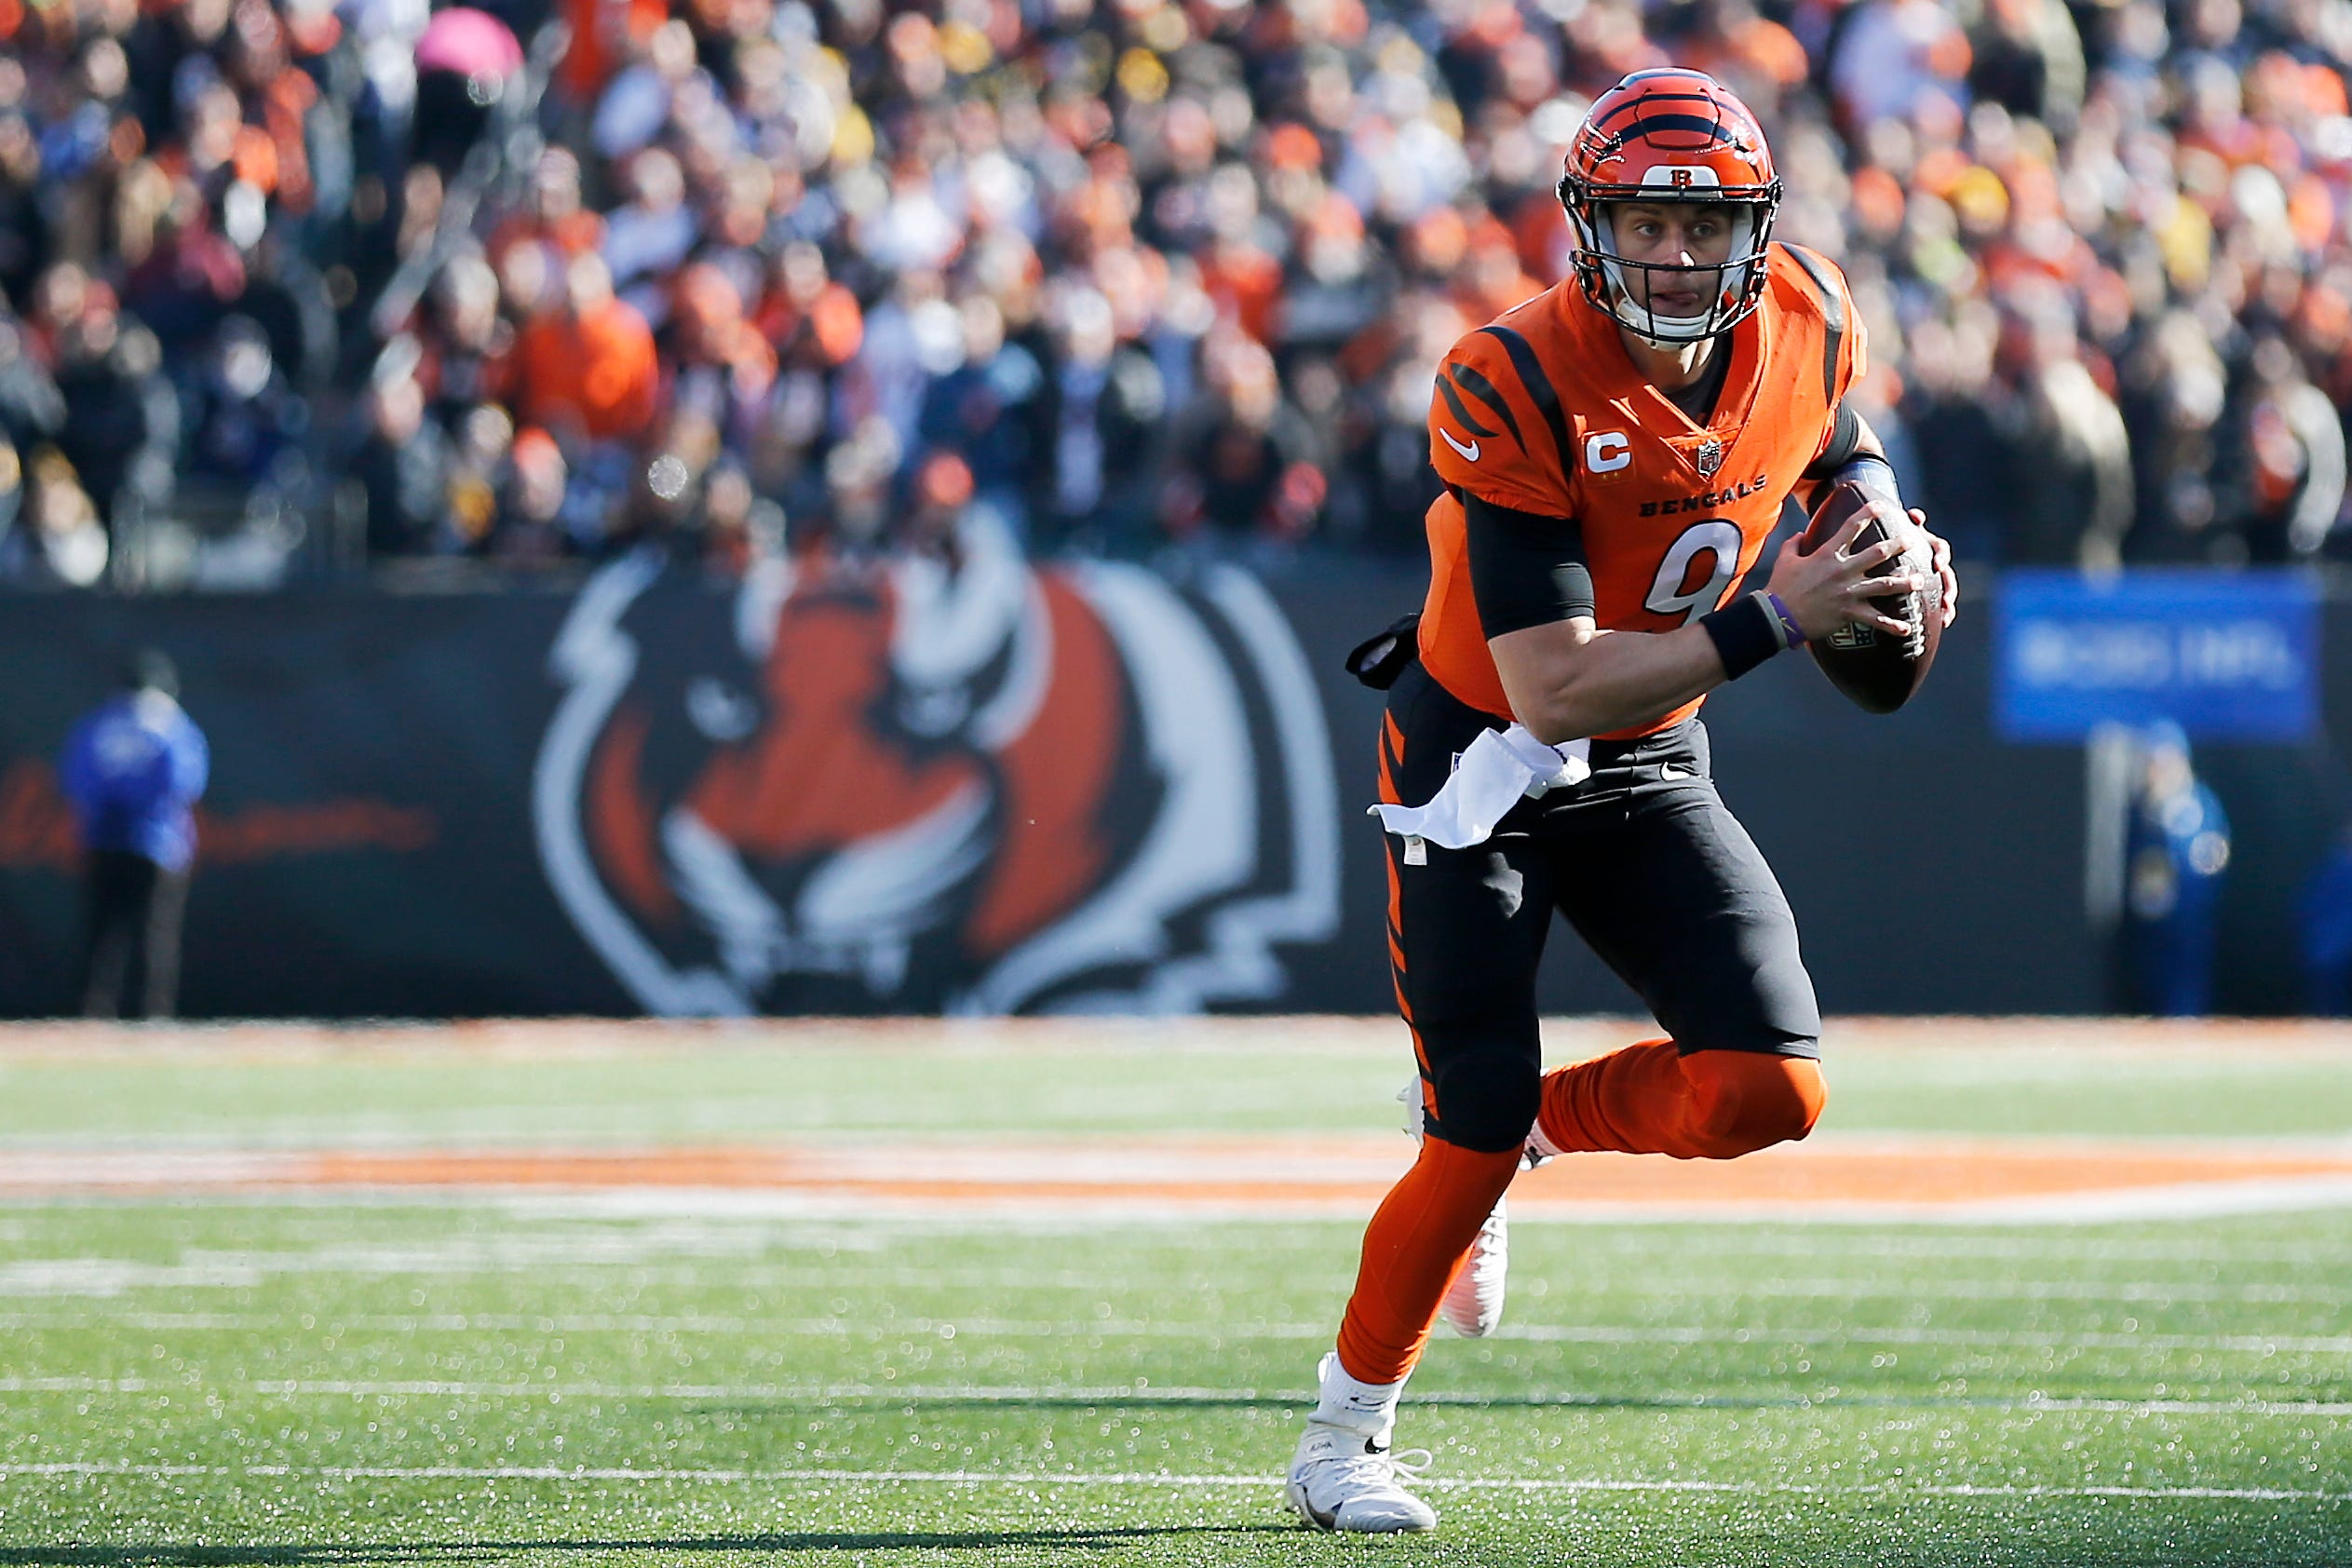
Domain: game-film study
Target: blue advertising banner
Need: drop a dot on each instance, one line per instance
(2227, 656)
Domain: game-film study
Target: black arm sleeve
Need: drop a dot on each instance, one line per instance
(1846, 440)
(1526, 570)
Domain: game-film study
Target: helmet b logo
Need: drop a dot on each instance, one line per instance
(1682, 178)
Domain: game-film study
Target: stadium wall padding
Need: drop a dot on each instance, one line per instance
(401, 782)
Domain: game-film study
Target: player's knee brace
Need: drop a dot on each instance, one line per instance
(1748, 1100)
(1487, 1101)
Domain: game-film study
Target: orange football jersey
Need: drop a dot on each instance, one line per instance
(1542, 411)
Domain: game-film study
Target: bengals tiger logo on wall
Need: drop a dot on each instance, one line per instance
(986, 789)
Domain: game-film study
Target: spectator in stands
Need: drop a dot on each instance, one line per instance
(60, 539)
(132, 770)
(247, 421)
(401, 469)
(585, 366)
(649, 235)
(554, 218)
(31, 406)
(723, 370)
(462, 340)
(464, 60)
(1245, 463)
(1101, 412)
(190, 276)
(479, 460)
(1895, 56)
(24, 237)
(121, 419)
(2070, 460)
(2292, 462)
(988, 408)
(1758, 58)
(2175, 388)
(2027, 56)
(531, 510)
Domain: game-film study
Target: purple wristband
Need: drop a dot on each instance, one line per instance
(1791, 634)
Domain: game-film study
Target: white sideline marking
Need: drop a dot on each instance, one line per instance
(1784, 1233)
(734, 1260)
(2224, 1197)
(878, 1329)
(1137, 1477)
(2137, 1291)
(2220, 1199)
(1113, 1394)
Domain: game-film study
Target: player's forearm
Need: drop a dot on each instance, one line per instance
(1816, 480)
(1612, 681)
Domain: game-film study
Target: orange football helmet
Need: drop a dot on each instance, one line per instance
(1670, 136)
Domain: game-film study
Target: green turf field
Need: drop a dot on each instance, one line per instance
(356, 1377)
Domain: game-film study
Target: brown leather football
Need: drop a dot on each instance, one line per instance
(1878, 671)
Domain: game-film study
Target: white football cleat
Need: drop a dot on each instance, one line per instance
(1473, 1304)
(1340, 1481)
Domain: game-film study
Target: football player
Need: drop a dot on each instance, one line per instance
(1616, 452)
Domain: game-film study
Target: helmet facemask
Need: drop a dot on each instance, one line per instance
(1607, 275)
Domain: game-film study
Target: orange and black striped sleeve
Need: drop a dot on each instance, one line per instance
(1496, 431)
(1500, 441)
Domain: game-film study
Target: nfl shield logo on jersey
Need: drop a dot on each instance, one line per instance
(1709, 457)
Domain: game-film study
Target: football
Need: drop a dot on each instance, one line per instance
(1878, 671)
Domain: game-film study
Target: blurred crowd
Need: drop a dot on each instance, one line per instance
(536, 282)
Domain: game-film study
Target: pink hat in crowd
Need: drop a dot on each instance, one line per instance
(468, 42)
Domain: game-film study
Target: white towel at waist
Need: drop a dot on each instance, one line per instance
(1500, 768)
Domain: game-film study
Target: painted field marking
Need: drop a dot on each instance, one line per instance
(986, 1328)
(1137, 1477)
(1122, 1395)
(104, 1278)
(838, 1249)
(761, 1233)
(1064, 1214)
(2013, 1179)
(1958, 1044)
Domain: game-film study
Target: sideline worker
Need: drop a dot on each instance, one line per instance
(133, 767)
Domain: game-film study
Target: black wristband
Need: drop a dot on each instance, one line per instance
(1746, 634)
(1874, 476)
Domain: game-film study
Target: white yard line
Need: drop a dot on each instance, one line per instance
(758, 1234)
(761, 1233)
(884, 1392)
(84, 1277)
(1133, 1479)
(2221, 1198)
(1227, 1333)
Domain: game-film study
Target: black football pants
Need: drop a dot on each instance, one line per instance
(1644, 860)
(131, 910)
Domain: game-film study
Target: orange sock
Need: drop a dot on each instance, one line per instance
(1652, 1100)
(1417, 1239)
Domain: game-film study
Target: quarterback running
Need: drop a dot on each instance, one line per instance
(1616, 452)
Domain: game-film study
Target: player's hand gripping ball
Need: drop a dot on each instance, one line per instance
(1878, 671)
